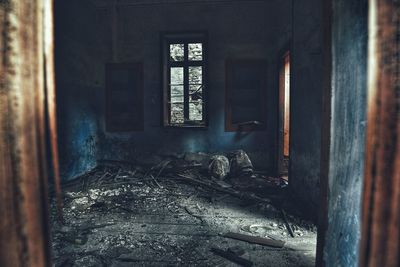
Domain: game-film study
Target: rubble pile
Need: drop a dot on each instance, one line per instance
(176, 214)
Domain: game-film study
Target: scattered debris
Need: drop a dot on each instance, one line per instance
(223, 184)
(241, 195)
(123, 214)
(198, 157)
(229, 255)
(237, 250)
(257, 229)
(256, 240)
(289, 228)
(240, 164)
(190, 212)
(161, 167)
(219, 167)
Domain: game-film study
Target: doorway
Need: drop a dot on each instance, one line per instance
(284, 115)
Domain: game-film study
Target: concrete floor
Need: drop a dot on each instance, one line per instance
(170, 223)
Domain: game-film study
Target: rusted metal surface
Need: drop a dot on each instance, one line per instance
(381, 207)
(23, 179)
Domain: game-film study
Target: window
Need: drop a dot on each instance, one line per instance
(245, 95)
(124, 97)
(184, 71)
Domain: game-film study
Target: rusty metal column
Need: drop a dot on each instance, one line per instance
(23, 176)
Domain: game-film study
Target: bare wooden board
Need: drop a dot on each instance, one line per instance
(256, 240)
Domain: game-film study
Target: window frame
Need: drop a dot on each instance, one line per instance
(185, 38)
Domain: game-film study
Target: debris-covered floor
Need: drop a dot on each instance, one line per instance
(177, 216)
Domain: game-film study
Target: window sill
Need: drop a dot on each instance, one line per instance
(186, 126)
(245, 129)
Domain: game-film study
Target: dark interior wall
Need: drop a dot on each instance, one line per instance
(85, 42)
(306, 102)
(281, 33)
(348, 129)
(236, 29)
(78, 91)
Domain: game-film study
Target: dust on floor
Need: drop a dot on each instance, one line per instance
(114, 217)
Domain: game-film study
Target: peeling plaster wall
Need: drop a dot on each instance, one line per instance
(306, 103)
(348, 129)
(78, 90)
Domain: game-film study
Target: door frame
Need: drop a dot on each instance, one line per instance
(287, 48)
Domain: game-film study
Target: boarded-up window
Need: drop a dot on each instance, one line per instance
(124, 97)
(184, 72)
(246, 87)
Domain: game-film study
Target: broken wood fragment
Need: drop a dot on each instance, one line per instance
(229, 255)
(190, 212)
(224, 190)
(289, 228)
(256, 240)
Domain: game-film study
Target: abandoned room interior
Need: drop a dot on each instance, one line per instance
(200, 133)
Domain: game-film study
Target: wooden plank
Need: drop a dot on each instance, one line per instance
(50, 90)
(256, 240)
(288, 227)
(23, 177)
(231, 257)
(380, 245)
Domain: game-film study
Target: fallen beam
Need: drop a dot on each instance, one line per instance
(256, 240)
(232, 257)
(223, 190)
(288, 227)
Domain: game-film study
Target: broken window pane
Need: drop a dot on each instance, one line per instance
(196, 111)
(177, 114)
(196, 92)
(195, 75)
(196, 52)
(177, 76)
(177, 95)
(177, 52)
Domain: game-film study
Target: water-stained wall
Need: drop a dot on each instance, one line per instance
(78, 90)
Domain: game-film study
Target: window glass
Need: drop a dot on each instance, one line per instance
(177, 52)
(196, 52)
(177, 76)
(184, 83)
(195, 75)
